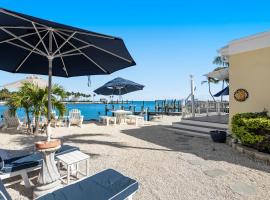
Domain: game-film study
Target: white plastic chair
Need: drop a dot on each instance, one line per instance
(11, 121)
(75, 118)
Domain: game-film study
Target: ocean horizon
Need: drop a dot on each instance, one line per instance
(92, 111)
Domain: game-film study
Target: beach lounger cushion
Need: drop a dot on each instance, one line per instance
(32, 160)
(3, 156)
(2, 163)
(106, 185)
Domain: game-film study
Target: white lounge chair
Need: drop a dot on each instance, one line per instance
(75, 118)
(12, 121)
(108, 184)
(21, 165)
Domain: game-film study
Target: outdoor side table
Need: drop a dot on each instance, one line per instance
(71, 161)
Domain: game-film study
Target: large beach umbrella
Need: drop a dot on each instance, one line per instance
(35, 46)
(220, 74)
(33, 79)
(118, 86)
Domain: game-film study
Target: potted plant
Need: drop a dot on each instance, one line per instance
(218, 136)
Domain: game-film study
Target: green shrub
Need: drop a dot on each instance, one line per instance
(252, 129)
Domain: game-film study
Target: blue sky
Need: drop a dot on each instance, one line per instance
(168, 39)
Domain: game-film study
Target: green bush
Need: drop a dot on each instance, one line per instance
(253, 130)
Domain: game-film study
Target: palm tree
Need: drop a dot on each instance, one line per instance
(13, 103)
(4, 94)
(25, 102)
(35, 100)
(40, 102)
(218, 60)
(21, 99)
(221, 60)
(209, 81)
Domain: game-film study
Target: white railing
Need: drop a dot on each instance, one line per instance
(205, 108)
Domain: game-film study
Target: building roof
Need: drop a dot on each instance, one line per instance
(250, 43)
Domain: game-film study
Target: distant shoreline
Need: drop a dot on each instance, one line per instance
(2, 103)
(95, 102)
(83, 102)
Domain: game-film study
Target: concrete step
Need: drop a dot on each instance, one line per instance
(196, 128)
(187, 132)
(189, 127)
(205, 124)
(200, 125)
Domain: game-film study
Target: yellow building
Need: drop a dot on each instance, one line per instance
(249, 60)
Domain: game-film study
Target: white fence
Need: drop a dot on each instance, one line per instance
(205, 108)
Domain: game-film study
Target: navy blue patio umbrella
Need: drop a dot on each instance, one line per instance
(118, 86)
(35, 46)
(223, 92)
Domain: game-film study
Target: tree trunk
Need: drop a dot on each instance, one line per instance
(28, 120)
(209, 88)
(36, 124)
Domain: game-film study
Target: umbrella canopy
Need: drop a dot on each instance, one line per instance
(223, 92)
(35, 46)
(33, 79)
(118, 86)
(28, 43)
(220, 74)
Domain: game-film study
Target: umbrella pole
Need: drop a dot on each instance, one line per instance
(49, 101)
(119, 92)
(50, 59)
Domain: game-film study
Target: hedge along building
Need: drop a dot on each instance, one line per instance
(249, 60)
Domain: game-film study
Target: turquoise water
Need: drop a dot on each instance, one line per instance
(92, 111)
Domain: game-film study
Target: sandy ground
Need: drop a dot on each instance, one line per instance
(167, 165)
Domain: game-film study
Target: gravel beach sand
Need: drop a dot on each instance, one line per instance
(167, 165)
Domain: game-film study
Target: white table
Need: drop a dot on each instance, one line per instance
(71, 161)
(138, 119)
(107, 119)
(121, 115)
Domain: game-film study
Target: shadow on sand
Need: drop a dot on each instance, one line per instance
(166, 139)
(169, 141)
(201, 147)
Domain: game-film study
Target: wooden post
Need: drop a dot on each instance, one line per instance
(147, 114)
(113, 110)
(192, 95)
(106, 110)
(207, 108)
(218, 108)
